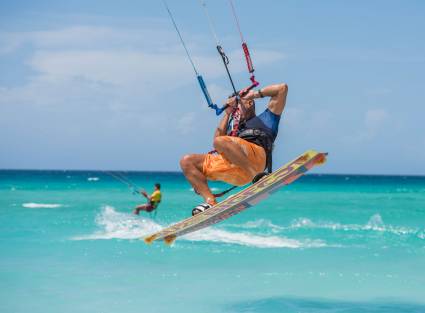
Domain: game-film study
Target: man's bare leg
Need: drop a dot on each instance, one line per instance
(140, 208)
(192, 168)
(235, 154)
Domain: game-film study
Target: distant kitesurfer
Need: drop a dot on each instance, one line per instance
(243, 146)
(153, 200)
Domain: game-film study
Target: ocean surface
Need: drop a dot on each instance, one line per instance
(327, 243)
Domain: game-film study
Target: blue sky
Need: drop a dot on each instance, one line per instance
(106, 84)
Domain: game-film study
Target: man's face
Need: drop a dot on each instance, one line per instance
(247, 107)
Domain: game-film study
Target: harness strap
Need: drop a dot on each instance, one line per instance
(236, 118)
(263, 139)
(220, 194)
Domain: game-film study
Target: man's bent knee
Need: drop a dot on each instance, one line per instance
(221, 143)
(186, 161)
(190, 161)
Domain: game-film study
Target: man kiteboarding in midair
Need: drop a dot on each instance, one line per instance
(243, 143)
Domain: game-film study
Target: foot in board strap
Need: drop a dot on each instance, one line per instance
(258, 177)
(201, 208)
(210, 202)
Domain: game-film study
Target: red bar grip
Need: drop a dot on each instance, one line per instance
(244, 91)
(248, 58)
(254, 82)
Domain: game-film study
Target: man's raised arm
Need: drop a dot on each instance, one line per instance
(221, 129)
(277, 93)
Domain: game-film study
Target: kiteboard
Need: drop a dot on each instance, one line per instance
(242, 200)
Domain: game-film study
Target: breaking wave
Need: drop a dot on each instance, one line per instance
(375, 223)
(116, 225)
(246, 239)
(260, 223)
(33, 205)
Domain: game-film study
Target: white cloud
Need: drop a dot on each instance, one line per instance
(187, 123)
(219, 93)
(85, 61)
(108, 86)
(294, 117)
(9, 43)
(237, 61)
(375, 119)
(89, 37)
(374, 125)
(383, 91)
(120, 68)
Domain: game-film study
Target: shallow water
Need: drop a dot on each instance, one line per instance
(326, 243)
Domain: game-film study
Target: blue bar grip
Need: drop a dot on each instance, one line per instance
(205, 90)
(203, 86)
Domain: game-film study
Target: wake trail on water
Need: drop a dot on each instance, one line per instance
(117, 225)
(32, 205)
(374, 224)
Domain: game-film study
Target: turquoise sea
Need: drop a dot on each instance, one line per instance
(326, 243)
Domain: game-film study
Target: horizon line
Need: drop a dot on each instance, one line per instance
(180, 172)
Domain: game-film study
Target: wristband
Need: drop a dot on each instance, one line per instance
(260, 93)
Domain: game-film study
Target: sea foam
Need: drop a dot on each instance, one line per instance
(375, 223)
(33, 205)
(247, 239)
(117, 225)
(260, 223)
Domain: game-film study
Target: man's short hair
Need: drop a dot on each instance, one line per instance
(158, 185)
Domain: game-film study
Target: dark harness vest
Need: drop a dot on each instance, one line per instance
(256, 131)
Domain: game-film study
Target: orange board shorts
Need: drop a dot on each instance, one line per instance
(217, 167)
